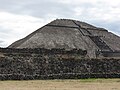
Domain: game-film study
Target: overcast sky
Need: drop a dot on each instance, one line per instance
(19, 18)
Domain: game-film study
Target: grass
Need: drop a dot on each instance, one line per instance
(69, 84)
(100, 80)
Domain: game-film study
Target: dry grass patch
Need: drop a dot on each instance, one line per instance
(81, 84)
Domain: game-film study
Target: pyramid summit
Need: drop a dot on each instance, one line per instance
(72, 34)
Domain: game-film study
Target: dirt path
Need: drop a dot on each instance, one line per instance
(87, 84)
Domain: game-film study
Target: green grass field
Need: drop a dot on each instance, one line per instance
(80, 84)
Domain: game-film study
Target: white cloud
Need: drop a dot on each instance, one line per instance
(19, 23)
(15, 26)
(32, 15)
(99, 10)
(95, 9)
(76, 2)
(78, 11)
(97, 2)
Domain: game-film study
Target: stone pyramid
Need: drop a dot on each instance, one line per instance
(72, 34)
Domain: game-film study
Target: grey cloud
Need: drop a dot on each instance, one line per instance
(42, 9)
(36, 8)
(1, 41)
(113, 26)
(5, 37)
(5, 33)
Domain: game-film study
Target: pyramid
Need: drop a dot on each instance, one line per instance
(72, 34)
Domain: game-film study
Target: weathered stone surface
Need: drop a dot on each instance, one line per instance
(62, 49)
(22, 64)
(71, 34)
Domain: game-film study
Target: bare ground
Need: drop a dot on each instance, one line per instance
(81, 84)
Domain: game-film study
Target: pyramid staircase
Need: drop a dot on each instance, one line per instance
(104, 49)
(100, 43)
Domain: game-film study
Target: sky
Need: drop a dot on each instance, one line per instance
(19, 18)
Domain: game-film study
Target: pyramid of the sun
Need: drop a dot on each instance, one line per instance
(72, 34)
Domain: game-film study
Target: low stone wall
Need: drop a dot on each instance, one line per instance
(43, 51)
(30, 66)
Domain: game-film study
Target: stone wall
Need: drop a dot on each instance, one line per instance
(28, 65)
